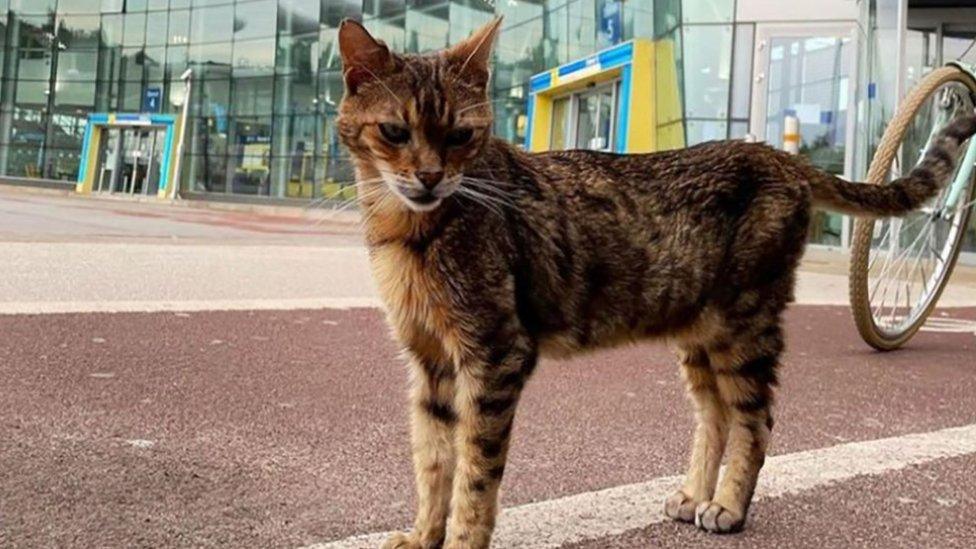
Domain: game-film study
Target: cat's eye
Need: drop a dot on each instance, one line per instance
(459, 136)
(395, 133)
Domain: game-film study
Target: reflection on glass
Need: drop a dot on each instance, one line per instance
(808, 79)
(708, 56)
(586, 122)
(560, 124)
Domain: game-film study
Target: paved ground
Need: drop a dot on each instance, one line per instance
(195, 419)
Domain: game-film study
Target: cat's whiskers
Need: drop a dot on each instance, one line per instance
(490, 189)
(481, 199)
(319, 202)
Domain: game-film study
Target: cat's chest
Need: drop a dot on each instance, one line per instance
(413, 291)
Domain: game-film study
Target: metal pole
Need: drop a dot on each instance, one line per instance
(186, 78)
(149, 167)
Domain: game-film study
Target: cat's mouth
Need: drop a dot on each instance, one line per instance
(417, 200)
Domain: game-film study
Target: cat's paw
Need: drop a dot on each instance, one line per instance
(404, 540)
(717, 519)
(679, 506)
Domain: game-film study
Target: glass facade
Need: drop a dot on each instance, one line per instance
(266, 75)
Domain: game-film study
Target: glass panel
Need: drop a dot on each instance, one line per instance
(153, 63)
(25, 159)
(33, 6)
(179, 27)
(255, 19)
(156, 25)
(213, 24)
(708, 54)
(332, 13)
(560, 121)
(809, 79)
(605, 122)
(77, 65)
(742, 70)
(738, 129)
(297, 16)
(298, 55)
(79, 31)
(586, 121)
(638, 20)
(294, 95)
(253, 95)
(667, 15)
(76, 6)
(215, 54)
(250, 155)
(131, 98)
(134, 30)
(111, 30)
(131, 63)
(700, 131)
(594, 120)
(707, 11)
(254, 57)
(32, 92)
(582, 29)
(212, 99)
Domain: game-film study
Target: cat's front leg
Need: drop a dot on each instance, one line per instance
(432, 441)
(488, 390)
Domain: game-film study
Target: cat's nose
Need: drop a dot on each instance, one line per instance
(429, 178)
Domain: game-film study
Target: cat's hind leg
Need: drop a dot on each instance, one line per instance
(745, 373)
(710, 435)
(433, 420)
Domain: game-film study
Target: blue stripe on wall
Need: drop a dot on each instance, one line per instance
(623, 109)
(540, 82)
(617, 56)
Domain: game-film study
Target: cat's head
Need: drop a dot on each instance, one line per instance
(413, 123)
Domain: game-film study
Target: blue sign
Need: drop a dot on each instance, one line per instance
(152, 99)
(611, 24)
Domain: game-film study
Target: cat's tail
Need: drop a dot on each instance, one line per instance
(903, 194)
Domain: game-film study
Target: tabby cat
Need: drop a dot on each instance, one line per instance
(488, 257)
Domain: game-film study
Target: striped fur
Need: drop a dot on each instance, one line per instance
(903, 194)
(573, 251)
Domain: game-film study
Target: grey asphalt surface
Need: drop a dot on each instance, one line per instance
(281, 428)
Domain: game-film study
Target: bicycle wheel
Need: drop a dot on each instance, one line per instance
(900, 266)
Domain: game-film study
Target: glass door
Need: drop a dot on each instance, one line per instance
(585, 120)
(803, 97)
(595, 111)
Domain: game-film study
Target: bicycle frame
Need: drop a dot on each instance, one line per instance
(965, 173)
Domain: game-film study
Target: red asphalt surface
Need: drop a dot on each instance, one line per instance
(278, 429)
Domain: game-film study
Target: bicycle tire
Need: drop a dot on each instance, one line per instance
(863, 228)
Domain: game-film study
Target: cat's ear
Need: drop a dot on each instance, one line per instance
(364, 58)
(472, 56)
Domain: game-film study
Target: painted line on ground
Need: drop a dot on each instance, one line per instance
(596, 515)
(62, 307)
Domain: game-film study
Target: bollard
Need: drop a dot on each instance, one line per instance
(791, 134)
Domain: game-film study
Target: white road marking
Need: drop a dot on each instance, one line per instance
(613, 511)
(945, 324)
(60, 307)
